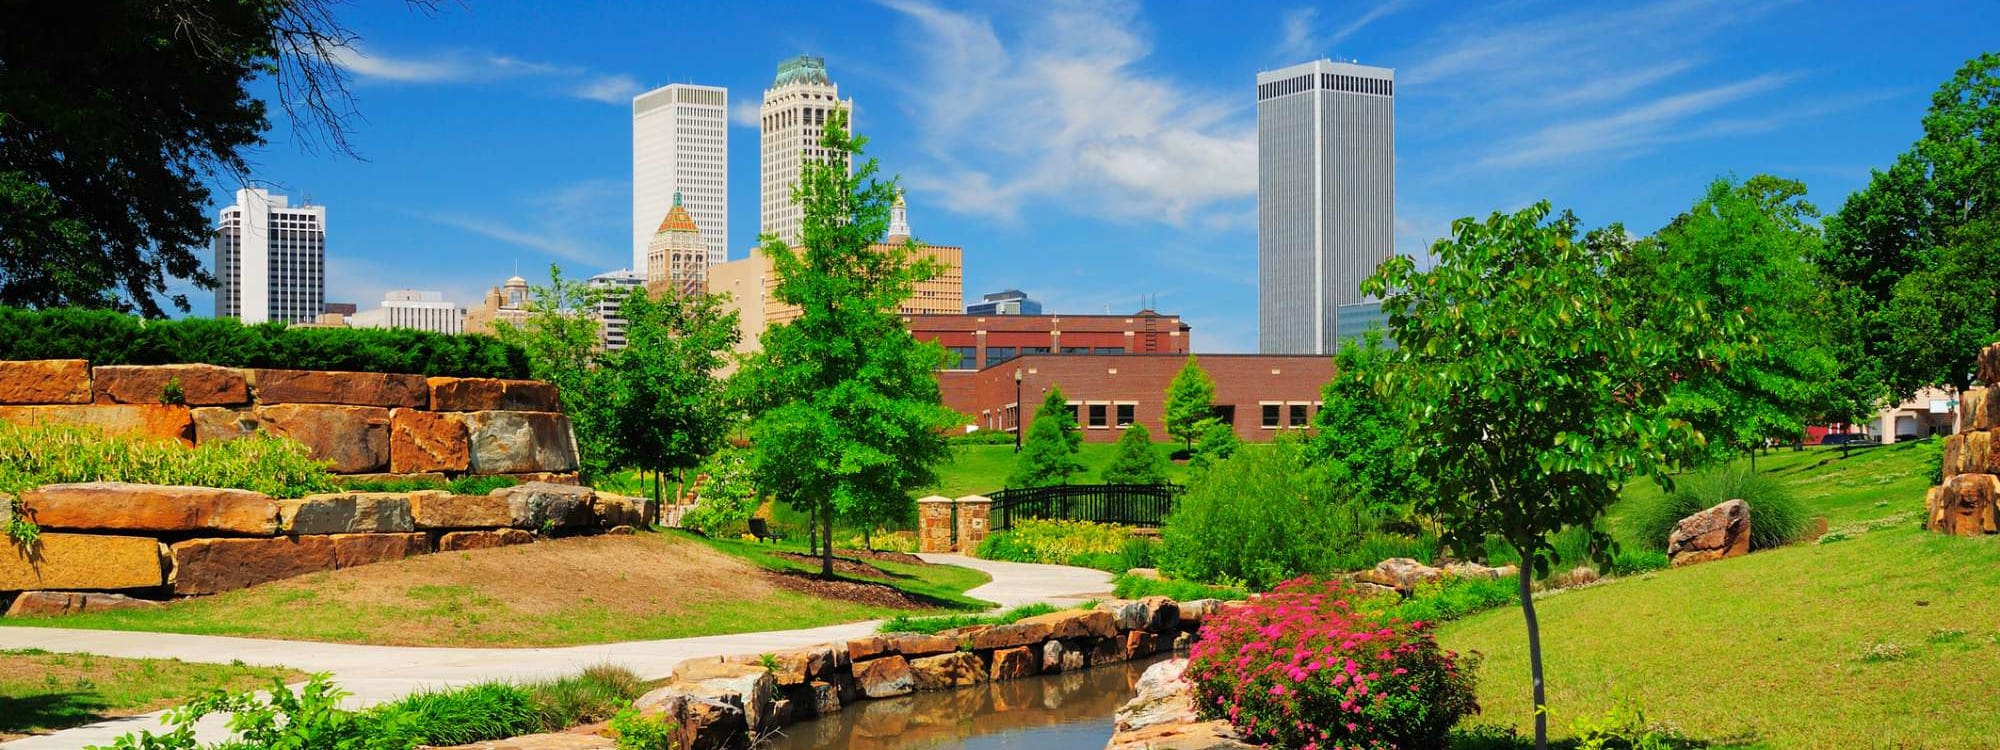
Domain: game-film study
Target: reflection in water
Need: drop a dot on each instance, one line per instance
(1069, 711)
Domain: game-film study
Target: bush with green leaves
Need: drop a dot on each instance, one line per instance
(109, 338)
(1055, 542)
(1449, 599)
(1776, 517)
(1130, 586)
(728, 494)
(1215, 441)
(34, 455)
(1137, 461)
(1258, 518)
(983, 437)
(637, 732)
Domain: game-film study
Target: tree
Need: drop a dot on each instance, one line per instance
(1136, 461)
(1049, 455)
(670, 407)
(560, 337)
(848, 417)
(115, 115)
(1534, 399)
(1359, 434)
(1217, 441)
(1190, 399)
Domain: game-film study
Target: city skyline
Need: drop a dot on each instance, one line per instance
(269, 259)
(680, 153)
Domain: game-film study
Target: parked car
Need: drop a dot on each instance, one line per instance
(1906, 437)
(1843, 438)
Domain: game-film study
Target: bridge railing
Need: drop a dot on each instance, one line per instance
(1123, 504)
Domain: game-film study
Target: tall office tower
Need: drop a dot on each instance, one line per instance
(270, 260)
(675, 258)
(413, 308)
(680, 142)
(1326, 197)
(612, 287)
(793, 118)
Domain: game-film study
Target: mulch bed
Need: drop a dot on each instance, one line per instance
(847, 566)
(861, 592)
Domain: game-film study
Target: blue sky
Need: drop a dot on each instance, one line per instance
(1095, 153)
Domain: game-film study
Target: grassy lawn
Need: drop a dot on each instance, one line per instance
(945, 583)
(1771, 650)
(568, 592)
(977, 469)
(43, 692)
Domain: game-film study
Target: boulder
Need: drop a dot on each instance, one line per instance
(347, 513)
(1974, 413)
(1989, 365)
(549, 741)
(825, 697)
(1107, 651)
(1019, 634)
(83, 561)
(700, 722)
(140, 421)
(200, 385)
(1076, 623)
(46, 381)
(1475, 570)
(1713, 534)
(352, 388)
(57, 603)
(867, 647)
(618, 510)
(492, 394)
(1399, 573)
(1162, 717)
(460, 541)
(1016, 663)
(800, 666)
(436, 509)
(538, 505)
(1140, 644)
(422, 441)
(1964, 505)
(515, 442)
(123, 506)
(350, 550)
(886, 677)
(209, 566)
(1058, 656)
(1162, 614)
(913, 645)
(954, 670)
(1198, 610)
(355, 439)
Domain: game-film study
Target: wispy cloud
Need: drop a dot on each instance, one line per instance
(745, 113)
(1060, 111)
(462, 67)
(1634, 127)
(567, 222)
(1300, 40)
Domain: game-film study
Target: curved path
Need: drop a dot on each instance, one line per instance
(381, 673)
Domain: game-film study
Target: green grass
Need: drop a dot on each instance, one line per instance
(1129, 586)
(42, 691)
(942, 623)
(944, 584)
(979, 469)
(1890, 638)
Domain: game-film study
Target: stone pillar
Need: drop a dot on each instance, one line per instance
(934, 524)
(974, 514)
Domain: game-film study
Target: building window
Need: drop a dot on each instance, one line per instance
(965, 357)
(997, 354)
(1110, 350)
(1124, 413)
(1298, 415)
(1099, 415)
(1027, 350)
(1076, 350)
(1075, 412)
(1272, 413)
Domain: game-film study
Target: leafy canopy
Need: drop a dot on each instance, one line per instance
(1190, 399)
(1359, 434)
(671, 410)
(1137, 461)
(1049, 453)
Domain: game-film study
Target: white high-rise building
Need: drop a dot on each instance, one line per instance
(1326, 198)
(413, 308)
(680, 142)
(270, 260)
(612, 287)
(793, 118)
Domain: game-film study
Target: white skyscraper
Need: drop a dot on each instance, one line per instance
(413, 308)
(680, 141)
(270, 260)
(1326, 198)
(793, 118)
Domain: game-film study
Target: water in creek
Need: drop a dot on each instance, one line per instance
(1069, 711)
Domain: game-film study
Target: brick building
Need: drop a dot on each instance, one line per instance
(982, 341)
(1261, 394)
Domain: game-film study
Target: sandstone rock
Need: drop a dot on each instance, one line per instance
(347, 513)
(537, 505)
(427, 441)
(867, 647)
(886, 677)
(1581, 575)
(1194, 612)
(1163, 698)
(1015, 663)
(1475, 570)
(83, 561)
(549, 741)
(352, 388)
(1399, 573)
(1964, 505)
(1162, 614)
(1204, 735)
(142, 421)
(913, 645)
(514, 442)
(354, 438)
(801, 666)
(350, 550)
(825, 697)
(700, 723)
(57, 603)
(459, 541)
(618, 510)
(1713, 534)
(1140, 644)
(123, 506)
(1974, 413)
(45, 381)
(209, 566)
(435, 509)
(1077, 623)
(550, 477)
(1052, 656)
(492, 394)
(954, 670)
(1019, 634)
(200, 385)
(423, 477)
(1989, 365)
(1107, 651)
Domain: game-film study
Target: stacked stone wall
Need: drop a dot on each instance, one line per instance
(1964, 503)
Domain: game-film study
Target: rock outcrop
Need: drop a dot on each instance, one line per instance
(1713, 534)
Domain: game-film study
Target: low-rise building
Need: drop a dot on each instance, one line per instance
(1005, 302)
(1261, 395)
(980, 341)
(507, 302)
(415, 309)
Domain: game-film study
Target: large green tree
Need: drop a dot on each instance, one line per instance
(671, 411)
(1049, 453)
(847, 412)
(562, 340)
(1136, 461)
(1533, 398)
(1359, 434)
(1190, 399)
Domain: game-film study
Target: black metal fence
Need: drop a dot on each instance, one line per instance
(1124, 504)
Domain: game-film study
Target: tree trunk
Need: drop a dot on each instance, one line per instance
(826, 556)
(1534, 649)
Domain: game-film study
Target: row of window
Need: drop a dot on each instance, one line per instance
(1326, 82)
(967, 357)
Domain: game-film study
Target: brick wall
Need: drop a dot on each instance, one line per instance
(1244, 383)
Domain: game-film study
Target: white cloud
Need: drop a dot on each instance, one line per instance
(1634, 127)
(567, 222)
(610, 89)
(458, 67)
(1300, 40)
(1062, 111)
(746, 113)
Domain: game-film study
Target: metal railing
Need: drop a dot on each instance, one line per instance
(1123, 504)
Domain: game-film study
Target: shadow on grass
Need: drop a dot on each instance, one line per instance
(1502, 738)
(48, 711)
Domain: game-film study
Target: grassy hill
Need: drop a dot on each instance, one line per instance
(1882, 636)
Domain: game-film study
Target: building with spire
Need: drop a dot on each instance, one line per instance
(791, 122)
(508, 302)
(680, 144)
(676, 258)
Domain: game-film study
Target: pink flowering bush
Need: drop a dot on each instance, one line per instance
(1300, 668)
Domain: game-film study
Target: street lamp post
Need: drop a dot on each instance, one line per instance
(1017, 409)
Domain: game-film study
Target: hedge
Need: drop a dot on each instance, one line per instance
(110, 338)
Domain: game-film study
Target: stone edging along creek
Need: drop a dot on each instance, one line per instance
(718, 703)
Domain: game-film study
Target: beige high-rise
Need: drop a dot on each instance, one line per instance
(676, 258)
(792, 120)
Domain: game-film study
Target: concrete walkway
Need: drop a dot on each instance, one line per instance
(382, 673)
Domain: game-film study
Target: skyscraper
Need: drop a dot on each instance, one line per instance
(270, 260)
(680, 142)
(793, 118)
(1326, 197)
(675, 258)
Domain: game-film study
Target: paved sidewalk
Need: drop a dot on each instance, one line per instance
(376, 674)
